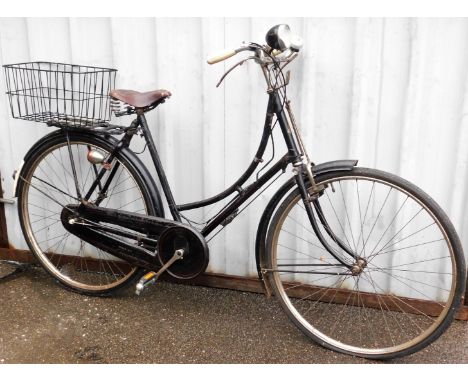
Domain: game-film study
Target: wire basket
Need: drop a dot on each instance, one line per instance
(61, 95)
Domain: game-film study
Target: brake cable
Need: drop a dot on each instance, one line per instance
(232, 68)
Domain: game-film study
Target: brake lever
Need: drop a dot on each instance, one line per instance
(289, 60)
(232, 68)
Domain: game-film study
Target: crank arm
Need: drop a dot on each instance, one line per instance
(151, 277)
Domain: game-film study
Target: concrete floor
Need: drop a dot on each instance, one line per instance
(40, 322)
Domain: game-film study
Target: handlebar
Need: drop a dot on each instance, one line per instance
(279, 49)
(224, 55)
(281, 46)
(228, 53)
(263, 54)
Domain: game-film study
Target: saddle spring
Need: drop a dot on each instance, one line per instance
(120, 108)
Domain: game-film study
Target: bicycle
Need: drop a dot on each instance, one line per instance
(362, 261)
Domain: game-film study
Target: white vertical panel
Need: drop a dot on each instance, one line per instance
(328, 69)
(213, 134)
(16, 136)
(390, 92)
(91, 42)
(394, 58)
(238, 134)
(366, 90)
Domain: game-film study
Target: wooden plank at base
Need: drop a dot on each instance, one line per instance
(214, 280)
(245, 284)
(19, 255)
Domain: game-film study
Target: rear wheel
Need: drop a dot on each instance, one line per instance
(407, 280)
(47, 184)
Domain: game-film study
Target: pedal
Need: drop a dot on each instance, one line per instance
(148, 279)
(152, 277)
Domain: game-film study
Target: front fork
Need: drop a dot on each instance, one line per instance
(302, 168)
(310, 197)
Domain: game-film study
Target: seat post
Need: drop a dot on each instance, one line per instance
(159, 167)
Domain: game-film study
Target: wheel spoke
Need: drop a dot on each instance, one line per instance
(337, 218)
(389, 300)
(73, 261)
(347, 217)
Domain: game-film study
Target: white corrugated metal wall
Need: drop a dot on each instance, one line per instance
(389, 92)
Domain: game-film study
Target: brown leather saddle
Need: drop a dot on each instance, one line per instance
(140, 99)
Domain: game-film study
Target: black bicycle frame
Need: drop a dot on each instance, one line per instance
(229, 212)
(274, 107)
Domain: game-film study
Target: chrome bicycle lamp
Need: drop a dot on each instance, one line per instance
(280, 38)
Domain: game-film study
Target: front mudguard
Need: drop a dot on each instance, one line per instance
(263, 225)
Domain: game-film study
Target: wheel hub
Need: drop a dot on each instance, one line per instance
(359, 266)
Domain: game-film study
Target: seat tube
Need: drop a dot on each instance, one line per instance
(159, 167)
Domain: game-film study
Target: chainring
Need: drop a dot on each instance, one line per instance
(196, 253)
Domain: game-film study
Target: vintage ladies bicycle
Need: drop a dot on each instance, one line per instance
(362, 261)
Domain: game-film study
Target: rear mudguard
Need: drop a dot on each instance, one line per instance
(106, 141)
(262, 230)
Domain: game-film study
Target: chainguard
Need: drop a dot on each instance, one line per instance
(147, 242)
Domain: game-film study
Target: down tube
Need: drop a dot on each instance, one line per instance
(246, 194)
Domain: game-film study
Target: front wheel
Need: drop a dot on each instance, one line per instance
(409, 269)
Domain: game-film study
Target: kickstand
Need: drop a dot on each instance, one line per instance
(9, 269)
